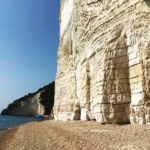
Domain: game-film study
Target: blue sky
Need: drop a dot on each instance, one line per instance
(29, 39)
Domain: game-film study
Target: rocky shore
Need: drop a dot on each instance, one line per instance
(75, 135)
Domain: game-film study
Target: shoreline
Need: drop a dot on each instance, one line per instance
(10, 121)
(68, 135)
(3, 130)
(11, 127)
(6, 137)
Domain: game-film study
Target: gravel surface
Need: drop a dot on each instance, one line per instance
(75, 135)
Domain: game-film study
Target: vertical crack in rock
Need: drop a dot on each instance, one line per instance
(103, 69)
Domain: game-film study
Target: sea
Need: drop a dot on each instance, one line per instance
(8, 122)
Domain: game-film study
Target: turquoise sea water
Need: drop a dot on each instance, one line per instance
(7, 122)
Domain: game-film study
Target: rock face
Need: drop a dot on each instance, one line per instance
(29, 107)
(39, 102)
(103, 69)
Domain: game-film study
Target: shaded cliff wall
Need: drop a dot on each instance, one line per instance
(104, 61)
(28, 107)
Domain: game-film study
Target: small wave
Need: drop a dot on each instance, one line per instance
(2, 130)
(8, 122)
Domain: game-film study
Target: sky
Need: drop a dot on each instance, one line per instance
(29, 39)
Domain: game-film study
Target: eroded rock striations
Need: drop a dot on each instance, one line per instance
(104, 61)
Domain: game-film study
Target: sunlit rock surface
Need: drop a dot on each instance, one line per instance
(27, 107)
(103, 69)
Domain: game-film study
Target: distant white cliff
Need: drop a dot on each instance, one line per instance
(28, 107)
(39, 102)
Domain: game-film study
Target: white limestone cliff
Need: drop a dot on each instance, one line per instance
(29, 107)
(103, 69)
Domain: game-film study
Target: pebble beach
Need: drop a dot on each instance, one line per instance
(75, 135)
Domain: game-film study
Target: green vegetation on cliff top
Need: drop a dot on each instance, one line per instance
(47, 98)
